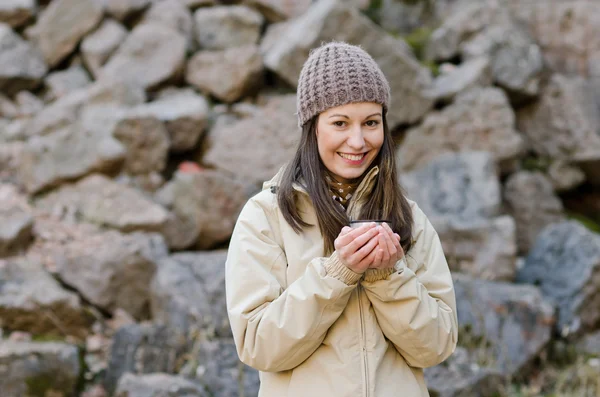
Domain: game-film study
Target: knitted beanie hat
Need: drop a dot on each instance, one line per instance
(336, 74)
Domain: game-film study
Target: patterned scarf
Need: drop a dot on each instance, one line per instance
(341, 192)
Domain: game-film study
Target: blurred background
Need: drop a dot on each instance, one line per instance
(133, 131)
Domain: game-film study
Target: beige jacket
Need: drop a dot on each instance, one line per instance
(315, 328)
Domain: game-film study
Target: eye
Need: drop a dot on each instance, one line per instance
(372, 123)
(339, 123)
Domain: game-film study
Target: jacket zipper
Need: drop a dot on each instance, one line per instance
(363, 343)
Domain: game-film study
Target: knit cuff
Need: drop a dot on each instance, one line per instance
(378, 274)
(336, 269)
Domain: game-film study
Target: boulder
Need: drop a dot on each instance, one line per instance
(63, 82)
(173, 14)
(157, 385)
(97, 47)
(16, 221)
(277, 11)
(17, 12)
(472, 73)
(223, 27)
(124, 9)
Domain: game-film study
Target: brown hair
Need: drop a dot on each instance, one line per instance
(386, 200)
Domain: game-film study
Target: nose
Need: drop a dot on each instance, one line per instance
(356, 140)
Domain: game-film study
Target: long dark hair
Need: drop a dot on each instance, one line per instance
(386, 200)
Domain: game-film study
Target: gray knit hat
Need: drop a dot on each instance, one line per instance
(338, 73)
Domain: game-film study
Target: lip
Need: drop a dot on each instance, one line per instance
(354, 162)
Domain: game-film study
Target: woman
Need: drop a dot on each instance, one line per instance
(322, 309)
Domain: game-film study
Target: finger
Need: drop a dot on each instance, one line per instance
(369, 260)
(345, 239)
(345, 230)
(384, 247)
(363, 252)
(391, 246)
(361, 240)
(377, 258)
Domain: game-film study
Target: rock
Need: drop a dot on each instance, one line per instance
(460, 194)
(32, 301)
(208, 203)
(504, 326)
(64, 82)
(28, 104)
(172, 14)
(479, 119)
(228, 75)
(223, 27)
(184, 113)
(188, 293)
(472, 73)
(286, 46)
(590, 344)
(460, 376)
(564, 123)
(98, 46)
(157, 385)
(144, 349)
(65, 155)
(123, 9)
(99, 200)
(7, 108)
(38, 369)
(254, 149)
(17, 12)
(10, 153)
(221, 371)
(21, 65)
(565, 263)
(122, 264)
(532, 202)
(16, 221)
(57, 39)
(565, 176)
(147, 143)
(277, 11)
(150, 55)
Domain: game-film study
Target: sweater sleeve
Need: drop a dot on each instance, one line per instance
(415, 304)
(276, 329)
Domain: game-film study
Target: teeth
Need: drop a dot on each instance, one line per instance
(353, 157)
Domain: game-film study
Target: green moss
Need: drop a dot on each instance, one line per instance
(585, 221)
(417, 40)
(534, 163)
(39, 385)
(373, 10)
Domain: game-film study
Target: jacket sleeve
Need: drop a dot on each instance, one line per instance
(276, 329)
(415, 304)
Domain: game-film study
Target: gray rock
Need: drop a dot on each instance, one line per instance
(479, 119)
(254, 148)
(222, 373)
(144, 349)
(62, 25)
(277, 11)
(21, 65)
(7, 108)
(565, 263)
(150, 55)
(472, 73)
(28, 104)
(10, 154)
(460, 194)
(532, 202)
(122, 265)
(223, 27)
(30, 368)
(188, 293)
(123, 9)
(157, 385)
(208, 204)
(99, 200)
(503, 326)
(17, 12)
(32, 301)
(99, 45)
(16, 221)
(184, 113)
(590, 344)
(286, 46)
(66, 81)
(174, 15)
(565, 176)
(229, 74)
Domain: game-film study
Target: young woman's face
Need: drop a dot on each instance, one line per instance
(349, 138)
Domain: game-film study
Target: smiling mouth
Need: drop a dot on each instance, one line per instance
(352, 157)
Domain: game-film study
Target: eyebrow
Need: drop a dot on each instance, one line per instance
(343, 115)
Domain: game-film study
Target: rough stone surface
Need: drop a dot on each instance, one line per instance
(144, 349)
(565, 263)
(172, 14)
(505, 326)
(228, 74)
(32, 301)
(109, 269)
(62, 25)
(157, 385)
(28, 104)
(61, 83)
(99, 200)
(151, 54)
(10, 153)
(17, 12)
(532, 202)
(285, 47)
(590, 344)
(188, 293)
(277, 10)
(123, 9)
(256, 147)
(479, 119)
(21, 65)
(222, 27)
(472, 73)
(99, 45)
(16, 221)
(565, 176)
(460, 194)
(44, 369)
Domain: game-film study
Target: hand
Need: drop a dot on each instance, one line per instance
(356, 247)
(388, 251)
